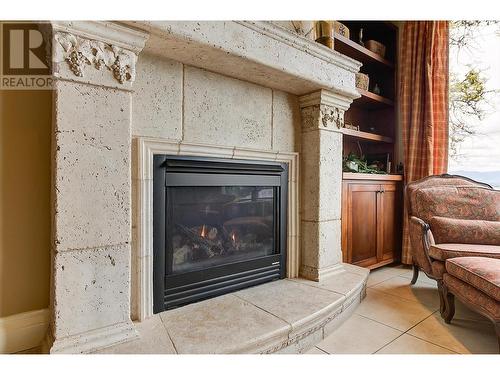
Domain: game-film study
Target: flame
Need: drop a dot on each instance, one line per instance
(233, 237)
(203, 231)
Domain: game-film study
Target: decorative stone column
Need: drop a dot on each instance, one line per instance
(94, 67)
(321, 182)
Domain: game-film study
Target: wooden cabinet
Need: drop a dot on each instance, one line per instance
(371, 221)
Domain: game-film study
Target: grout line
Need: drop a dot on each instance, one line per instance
(383, 346)
(376, 321)
(272, 119)
(404, 299)
(430, 281)
(129, 90)
(317, 287)
(405, 332)
(324, 351)
(168, 334)
(93, 248)
(413, 326)
(383, 281)
(433, 343)
(269, 312)
(183, 88)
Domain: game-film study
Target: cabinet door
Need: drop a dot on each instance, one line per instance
(389, 222)
(362, 223)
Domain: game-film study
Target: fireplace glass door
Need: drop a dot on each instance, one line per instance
(218, 226)
(210, 226)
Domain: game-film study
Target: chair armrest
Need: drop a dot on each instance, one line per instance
(421, 240)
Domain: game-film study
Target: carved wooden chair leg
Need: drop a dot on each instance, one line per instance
(497, 329)
(442, 303)
(415, 274)
(449, 302)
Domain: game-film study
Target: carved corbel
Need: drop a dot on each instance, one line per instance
(322, 116)
(79, 53)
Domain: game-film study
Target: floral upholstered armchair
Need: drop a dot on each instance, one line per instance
(451, 216)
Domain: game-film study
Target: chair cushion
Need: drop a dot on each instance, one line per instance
(448, 230)
(459, 202)
(445, 251)
(472, 296)
(481, 273)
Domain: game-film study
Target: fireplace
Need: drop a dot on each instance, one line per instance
(219, 225)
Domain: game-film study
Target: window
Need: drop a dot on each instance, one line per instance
(475, 100)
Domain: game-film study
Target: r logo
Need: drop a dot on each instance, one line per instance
(24, 50)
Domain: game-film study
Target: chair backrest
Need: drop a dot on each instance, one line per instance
(452, 196)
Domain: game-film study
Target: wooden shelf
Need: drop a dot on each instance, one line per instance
(372, 176)
(370, 100)
(352, 49)
(366, 136)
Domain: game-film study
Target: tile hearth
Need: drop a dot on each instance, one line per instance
(284, 316)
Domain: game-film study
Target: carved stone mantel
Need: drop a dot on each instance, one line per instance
(260, 52)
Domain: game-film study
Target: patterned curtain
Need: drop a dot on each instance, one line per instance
(424, 104)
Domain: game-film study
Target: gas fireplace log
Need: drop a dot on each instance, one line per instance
(208, 245)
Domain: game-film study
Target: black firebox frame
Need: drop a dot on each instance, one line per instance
(170, 291)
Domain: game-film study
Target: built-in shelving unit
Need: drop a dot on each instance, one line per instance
(370, 100)
(374, 114)
(366, 136)
(372, 203)
(357, 52)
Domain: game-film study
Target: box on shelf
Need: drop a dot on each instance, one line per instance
(352, 127)
(324, 33)
(341, 29)
(375, 47)
(362, 81)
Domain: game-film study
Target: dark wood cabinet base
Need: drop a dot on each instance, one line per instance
(371, 221)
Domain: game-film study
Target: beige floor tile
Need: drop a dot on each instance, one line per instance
(342, 282)
(291, 301)
(153, 339)
(392, 311)
(315, 350)
(356, 269)
(462, 336)
(225, 324)
(399, 267)
(422, 277)
(421, 292)
(358, 335)
(382, 274)
(407, 344)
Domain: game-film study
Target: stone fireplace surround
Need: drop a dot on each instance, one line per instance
(124, 91)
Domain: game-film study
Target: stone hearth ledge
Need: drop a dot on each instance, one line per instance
(284, 316)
